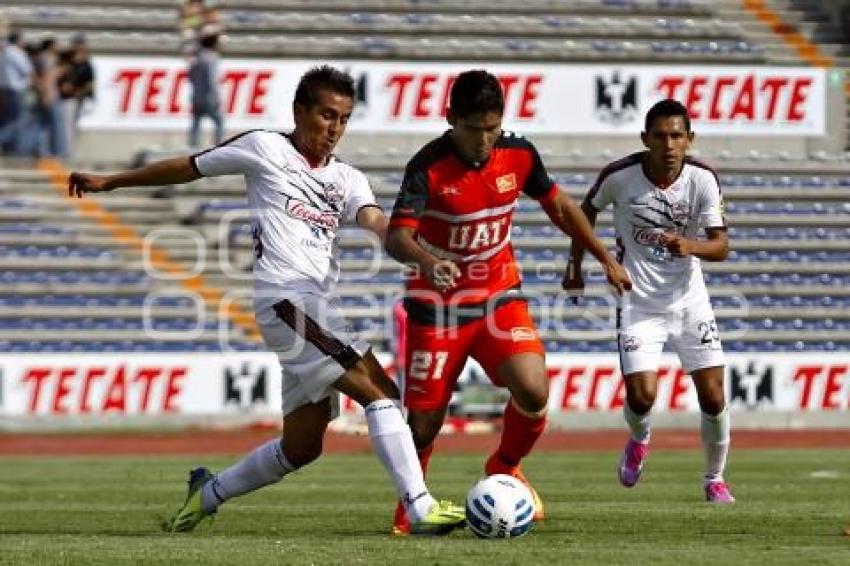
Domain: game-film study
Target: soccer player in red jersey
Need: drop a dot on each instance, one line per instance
(452, 223)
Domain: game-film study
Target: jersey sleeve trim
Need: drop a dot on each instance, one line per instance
(367, 205)
(587, 201)
(404, 222)
(549, 195)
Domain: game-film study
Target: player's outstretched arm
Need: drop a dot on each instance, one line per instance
(166, 172)
(569, 217)
(573, 281)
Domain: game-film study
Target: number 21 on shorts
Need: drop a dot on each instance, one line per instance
(425, 364)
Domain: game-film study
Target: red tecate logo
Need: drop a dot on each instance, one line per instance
(421, 96)
(164, 91)
(601, 388)
(103, 389)
(823, 387)
(739, 98)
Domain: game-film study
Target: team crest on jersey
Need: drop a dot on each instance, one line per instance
(679, 211)
(333, 193)
(506, 183)
(523, 334)
(631, 343)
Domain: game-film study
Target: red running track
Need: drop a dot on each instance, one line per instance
(241, 441)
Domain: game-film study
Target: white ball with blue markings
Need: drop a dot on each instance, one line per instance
(499, 506)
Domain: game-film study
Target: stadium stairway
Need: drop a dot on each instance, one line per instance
(784, 287)
(74, 276)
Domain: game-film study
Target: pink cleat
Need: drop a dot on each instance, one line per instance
(631, 464)
(718, 492)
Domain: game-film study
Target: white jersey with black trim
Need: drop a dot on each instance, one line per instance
(643, 212)
(296, 210)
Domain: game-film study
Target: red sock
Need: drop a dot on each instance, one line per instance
(519, 434)
(425, 457)
(400, 519)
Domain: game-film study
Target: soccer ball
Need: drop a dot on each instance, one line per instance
(499, 506)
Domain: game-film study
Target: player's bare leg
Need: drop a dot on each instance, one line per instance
(525, 376)
(714, 426)
(303, 431)
(641, 389)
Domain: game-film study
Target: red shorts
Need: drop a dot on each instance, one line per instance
(436, 355)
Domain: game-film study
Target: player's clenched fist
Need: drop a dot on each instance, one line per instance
(444, 275)
(677, 244)
(80, 183)
(618, 277)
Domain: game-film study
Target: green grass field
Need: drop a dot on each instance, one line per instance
(791, 509)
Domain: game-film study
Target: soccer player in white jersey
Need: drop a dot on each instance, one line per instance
(298, 194)
(661, 199)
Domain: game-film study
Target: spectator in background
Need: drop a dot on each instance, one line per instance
(210, 22)
(48, 102)
(203, 77)
(76, 87)
(16, 75)
(190, 20)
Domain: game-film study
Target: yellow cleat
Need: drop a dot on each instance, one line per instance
(190, 514)
(443, 518)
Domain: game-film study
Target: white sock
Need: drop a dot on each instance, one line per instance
(264, 466)
(638, 424)
(393, 444)
(715, 442)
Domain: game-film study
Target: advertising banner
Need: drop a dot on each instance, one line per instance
(151, 93)
(128, 385)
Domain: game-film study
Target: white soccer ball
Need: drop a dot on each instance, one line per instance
(499, 506)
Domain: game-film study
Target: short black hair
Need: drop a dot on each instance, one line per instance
(476, 92)
(667, 108)
(209, 41)
(322, 78)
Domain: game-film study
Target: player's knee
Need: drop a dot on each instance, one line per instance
(640, 401)
(713, 402)
(533, 400)
(300, 456)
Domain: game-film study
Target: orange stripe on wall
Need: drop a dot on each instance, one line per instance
(808, 52)
(158, 257)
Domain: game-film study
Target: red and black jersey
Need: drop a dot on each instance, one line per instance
(463, 212)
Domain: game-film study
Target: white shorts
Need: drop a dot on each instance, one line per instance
(692, 332)
(313, 342)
